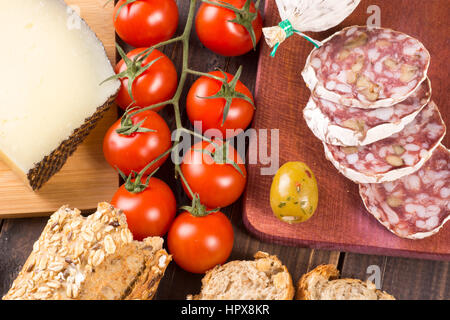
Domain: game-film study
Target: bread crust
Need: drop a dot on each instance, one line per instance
(93, 258)
(290, 292)
(329, 273)
(263, 262)
(148, 281)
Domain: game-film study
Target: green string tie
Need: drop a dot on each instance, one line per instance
(289, 30)
(287, 27)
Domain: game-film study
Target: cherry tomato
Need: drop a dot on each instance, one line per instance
(150, 212)
(294, 194)
(134, 152)
(144, 23)
(218, 34)
(157, 84)
(217, 184)
(210, 111)
(200, 243)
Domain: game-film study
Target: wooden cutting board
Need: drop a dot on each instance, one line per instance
(341, 221)
(86, 178)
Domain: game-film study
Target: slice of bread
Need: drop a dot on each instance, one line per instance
(93, 258)
(265, 278)
(322, 283)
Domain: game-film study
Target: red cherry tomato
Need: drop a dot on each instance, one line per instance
(217, 184)
(218, 34)
(144, 23)
(210, 111)
(134, 152)
(200, 243)
(150, 212)
(157, 84)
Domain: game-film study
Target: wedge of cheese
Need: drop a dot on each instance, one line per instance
(50, 92)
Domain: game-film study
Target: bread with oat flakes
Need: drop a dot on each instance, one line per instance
(265, 278)
(93, 258)
(322, 283)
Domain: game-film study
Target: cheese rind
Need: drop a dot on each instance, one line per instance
(51, 98)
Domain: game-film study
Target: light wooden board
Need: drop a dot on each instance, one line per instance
(86, 178)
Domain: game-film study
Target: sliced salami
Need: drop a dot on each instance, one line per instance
(417, 205)
(392, 158)
(367, 67)
(346, 126)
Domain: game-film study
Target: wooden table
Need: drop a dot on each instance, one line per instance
(404, 278)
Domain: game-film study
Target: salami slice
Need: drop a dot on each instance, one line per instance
(346, 126)
(392, 158)
(367, 67)
(417, 205)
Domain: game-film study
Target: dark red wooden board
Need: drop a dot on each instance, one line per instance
(340, 222)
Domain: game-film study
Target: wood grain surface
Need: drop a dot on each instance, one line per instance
(405, 278)
(341, 221)
(86, 178)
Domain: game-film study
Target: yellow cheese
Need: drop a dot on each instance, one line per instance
(52, 67)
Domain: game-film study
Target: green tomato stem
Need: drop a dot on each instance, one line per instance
(195, 134)
(180, 173)
(184, 39)
(175, 102)
(203, 74)
(153, 106)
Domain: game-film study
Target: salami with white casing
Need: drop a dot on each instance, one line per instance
(417, 205)
(309, 15)
(392, 158)
(346, 126)
(367, 67)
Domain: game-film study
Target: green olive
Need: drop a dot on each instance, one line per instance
(294, 194)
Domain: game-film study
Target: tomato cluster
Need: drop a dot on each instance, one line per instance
(213, 174)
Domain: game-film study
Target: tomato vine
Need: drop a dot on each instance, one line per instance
(227, 92)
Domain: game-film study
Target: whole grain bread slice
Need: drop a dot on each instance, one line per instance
(264, 278)
(322, 283)
(93, 258)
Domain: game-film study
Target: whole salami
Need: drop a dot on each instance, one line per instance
(367, 67)
(392, 158)
(417, 205)
(346, 126)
